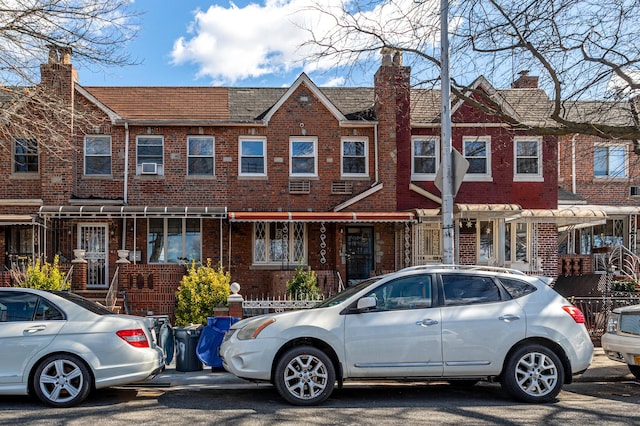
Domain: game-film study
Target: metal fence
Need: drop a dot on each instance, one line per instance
(596, 310)
(253, 307)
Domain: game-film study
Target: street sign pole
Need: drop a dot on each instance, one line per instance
(448, 227)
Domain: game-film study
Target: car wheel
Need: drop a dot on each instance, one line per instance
(635, 370)
(533, 373)
(304, 376)
(62, 380)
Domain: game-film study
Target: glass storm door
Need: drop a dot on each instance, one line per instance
(359, 254)
(93, 239)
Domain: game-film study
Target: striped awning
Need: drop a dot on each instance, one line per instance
(106, 211)
(321, 216)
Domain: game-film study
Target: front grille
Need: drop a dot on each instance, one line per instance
(630, 323)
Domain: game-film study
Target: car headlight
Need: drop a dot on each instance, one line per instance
(253, 328)
(612, 324)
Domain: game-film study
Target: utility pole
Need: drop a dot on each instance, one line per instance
(448, 227)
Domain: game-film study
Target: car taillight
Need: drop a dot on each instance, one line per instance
(135, 337)
(575, 313)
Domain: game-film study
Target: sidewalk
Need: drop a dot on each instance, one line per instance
(601, 369)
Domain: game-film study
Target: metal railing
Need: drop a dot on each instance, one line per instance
(253, 307)
(596, 310)
(112, 294)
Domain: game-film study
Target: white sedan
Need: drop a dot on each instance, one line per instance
(60, 346)
(444, 322)
(621, 342)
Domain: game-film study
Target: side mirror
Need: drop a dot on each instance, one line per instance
(367, 303)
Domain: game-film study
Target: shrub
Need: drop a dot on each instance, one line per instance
(304, 284)
(202, 289)
(43, 276)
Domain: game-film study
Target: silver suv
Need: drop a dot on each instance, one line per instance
(443, 322)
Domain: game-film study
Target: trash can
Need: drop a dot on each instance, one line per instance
(211, 339)
(186, 342)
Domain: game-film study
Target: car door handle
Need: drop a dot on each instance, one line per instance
(35, 329)
(426, 322)
(509, 318)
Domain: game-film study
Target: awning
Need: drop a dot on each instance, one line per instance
(486, 210)
(611, 210)
(321, 216)
(563, 216)
(107, 211)
(17, 219)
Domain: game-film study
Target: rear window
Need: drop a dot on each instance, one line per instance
(85, 303)
(517, 288)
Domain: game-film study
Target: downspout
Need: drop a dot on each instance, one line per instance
(125, 189)
(375, 143)
(573, 163)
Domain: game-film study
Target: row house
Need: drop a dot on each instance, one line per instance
(262, 180)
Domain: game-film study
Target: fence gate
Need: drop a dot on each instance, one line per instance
(93, 239)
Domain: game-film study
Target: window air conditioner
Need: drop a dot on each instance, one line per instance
(149, 168)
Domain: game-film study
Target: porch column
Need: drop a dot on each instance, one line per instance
(79, 279)
(235, 301)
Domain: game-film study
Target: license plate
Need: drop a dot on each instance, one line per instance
(636, 359)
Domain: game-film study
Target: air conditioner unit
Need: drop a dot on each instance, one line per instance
(149, 168)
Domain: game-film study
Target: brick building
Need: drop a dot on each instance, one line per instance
(260, 180)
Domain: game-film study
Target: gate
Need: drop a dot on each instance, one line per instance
(93, 239)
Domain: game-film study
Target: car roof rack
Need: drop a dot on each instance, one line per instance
(484, 268)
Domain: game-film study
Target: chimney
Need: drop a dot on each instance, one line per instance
(525, 81)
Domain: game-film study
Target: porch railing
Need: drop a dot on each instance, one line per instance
(596, 310)
(253, 307)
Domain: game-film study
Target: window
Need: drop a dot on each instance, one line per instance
(424, 158)
(279, 242)
(200, 156)
(150, 151)
(413, 292)
(609, 161)
(354, 157)
(477, 151)
(173, 240)
(15, 306)
(253, 157)
(516, 242)
(528, 159)
(304, 156)
(469, 290)
(25, 156)
(97, 155)
(486, 242)
(517, 288)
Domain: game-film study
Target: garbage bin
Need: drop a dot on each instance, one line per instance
(211, 339)
(186, 342)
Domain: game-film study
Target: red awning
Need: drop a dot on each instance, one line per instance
(320, 216)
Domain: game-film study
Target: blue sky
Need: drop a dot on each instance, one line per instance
(201, 43)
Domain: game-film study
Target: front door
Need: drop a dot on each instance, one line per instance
(93, 239)
(359, 254)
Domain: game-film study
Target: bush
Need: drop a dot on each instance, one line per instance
(43, 276)
(202, 289)
(304, 284)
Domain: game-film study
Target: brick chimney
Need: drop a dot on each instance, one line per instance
(393, 109)
(525, 81)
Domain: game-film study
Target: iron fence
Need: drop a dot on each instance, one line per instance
(596, 310)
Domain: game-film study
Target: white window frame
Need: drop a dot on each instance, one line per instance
(314, 155)
(264, 257)
(609, 175)
(87, 138)
(492, 259)
(243, 139)
(528, 177)
(207, 156)
(160, 166)
(165, 241)
(364, 157)
(513, 242)
(425, 176)
(478, 177)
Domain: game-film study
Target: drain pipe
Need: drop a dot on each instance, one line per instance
(573, 163)
(125, 195)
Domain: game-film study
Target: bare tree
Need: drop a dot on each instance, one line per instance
(35, 32)
(585, 52)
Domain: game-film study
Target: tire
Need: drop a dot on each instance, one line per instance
(62, 380)
(635, 370)
(533, 374)
(304, 375)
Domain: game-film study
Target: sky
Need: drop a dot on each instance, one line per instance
(203, 43)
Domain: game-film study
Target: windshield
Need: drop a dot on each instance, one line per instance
(85, 303)
(347, 293)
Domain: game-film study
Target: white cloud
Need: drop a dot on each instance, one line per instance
(233, 43)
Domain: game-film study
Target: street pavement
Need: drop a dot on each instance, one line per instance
(602, 369)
